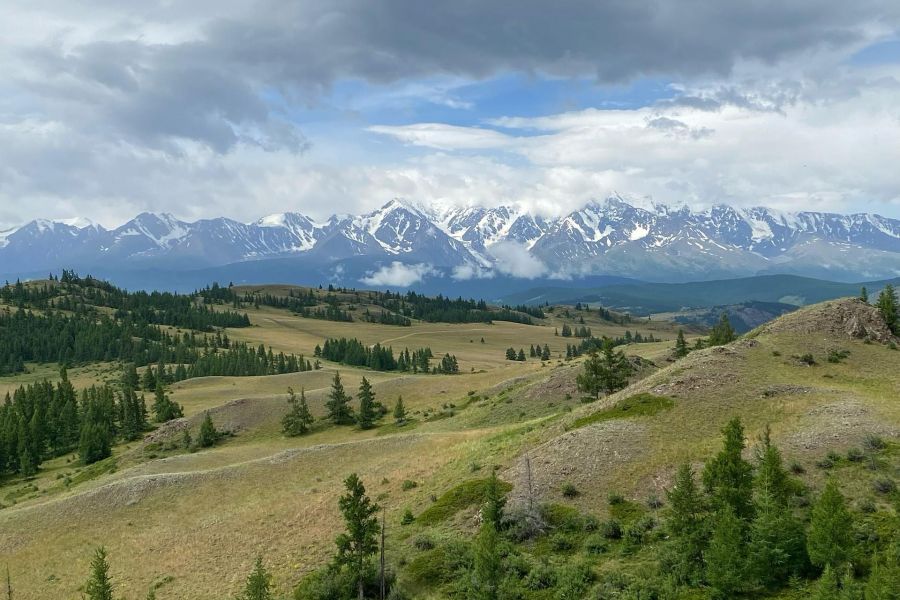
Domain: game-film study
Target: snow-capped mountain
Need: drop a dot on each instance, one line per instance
(614, 236)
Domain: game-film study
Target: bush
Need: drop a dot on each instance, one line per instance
(808, 359)
(408, 485)
(561, 542)
(797, 468)
(654, 502)
(884, 485)
(636, 534)
(574, 580)
(540, 577)
(615, 498)
(569, 490)
(855, 455)
(423, 542)
(836, 356)
(522, 524)
(873, 443)
(407, 517)
(825, 463)
(595, 544)
(867, 506)
(611, 530)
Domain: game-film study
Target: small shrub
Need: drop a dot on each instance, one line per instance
(867, 506)
(591, 523)
(611, 530)
(521, 525)
(407, 517)
(595, 544)
(561, 543)
(423, 543)
(569, 490)
(825, 463)
(541, 577)
(855, 455)
(408, 485)
(874, 443)
(797, 468)
(884, 485)
(834, 457)
(654, 502)
(892, 345)
(836, 356)
(808, 359)
(615, 498)
(776, 353)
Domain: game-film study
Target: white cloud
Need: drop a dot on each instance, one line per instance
(445, 137)
(398, 274)
(513, 259)
(469, 271)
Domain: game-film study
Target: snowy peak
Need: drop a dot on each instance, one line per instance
(616, 235)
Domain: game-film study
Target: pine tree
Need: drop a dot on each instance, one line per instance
(208, 434)
(688, 527)
(521, 356)
(829, 540)
(356, 546)
(338, 403)
(148, 381)
(545, 353)
(864, 294)
(722, 333)
(728, 478)
(725, 564)
(828, 586)
(494, 501)
(605, 372)
(776, 548)
(258, 583)
(681, 347)
(487, 567)
(99, 585)
(771, 475)
(399, 412)
(298, 420)
(366, 417)
(164, 409)
(887, 306)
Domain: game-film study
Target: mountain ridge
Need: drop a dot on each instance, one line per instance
(614, 237)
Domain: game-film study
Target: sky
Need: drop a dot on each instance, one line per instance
(236, 108)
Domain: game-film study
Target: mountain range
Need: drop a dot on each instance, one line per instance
(402, 243)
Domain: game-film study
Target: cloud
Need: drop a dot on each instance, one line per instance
(468, 271)
(191, 107)
(398, 274)
(513, 259)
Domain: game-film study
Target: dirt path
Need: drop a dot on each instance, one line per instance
(433, 331)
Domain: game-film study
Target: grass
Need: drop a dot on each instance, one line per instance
(460, 497)
(197, 520)
(639, 405)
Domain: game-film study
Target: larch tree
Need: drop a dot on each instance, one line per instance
(357, 545)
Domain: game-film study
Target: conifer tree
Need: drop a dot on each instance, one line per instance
(828, 586)
(728, 478)
(164, 408)
(521, 356)
(864, 294)
(604, 372)
(298, 420)
(258, 583)
(360, 541)
(208, 434)
(99, 585)
(366, 417)
(487, 564)
(776, 548)
(545, 354)
(771, 476)
(887, 306)
(399, 412)
(688, 527)
(338, 403)
(725, 564)
(494, 501)
(681, 347)
(148, 381)
(829, 540)
(722, 332)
